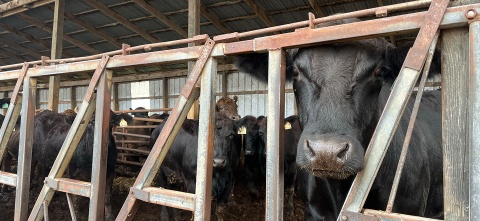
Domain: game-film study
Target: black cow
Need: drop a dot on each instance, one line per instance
(341, 90)
(50, 132)
(178, 170)
(290, 141)
(251, 142)
(140, 114)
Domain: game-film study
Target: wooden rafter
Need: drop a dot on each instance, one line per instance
(89, 28)
(214, 20)
(20, 48)
(31, 38)
(256, 8)
(13, 55)
(317, 8)
(158, 14)
(15, 7)
(49, 29)
(122, 20)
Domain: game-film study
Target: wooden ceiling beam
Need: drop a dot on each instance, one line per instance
(158, 14)
(18, 6)
(123, 20)
(20, 48)
(317, 8)
(256, 8)
(49, 29)
(212, 18)
(13, 55)
(89, 28)
(31, 38)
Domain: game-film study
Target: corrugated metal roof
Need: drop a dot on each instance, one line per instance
(279, 11)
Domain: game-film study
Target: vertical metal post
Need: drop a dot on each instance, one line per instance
(474, 116)
(100, 147)
(25, 149)
(165, 93)
(206, 132)
(73, 98)
(193, 29)
(275, 131)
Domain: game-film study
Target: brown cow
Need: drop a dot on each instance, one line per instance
(228, 106)
(69, 112)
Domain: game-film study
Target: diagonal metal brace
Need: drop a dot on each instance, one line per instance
(394, 108)
(70, 144)
(189, 94)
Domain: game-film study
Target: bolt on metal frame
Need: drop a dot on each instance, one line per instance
(275, 45)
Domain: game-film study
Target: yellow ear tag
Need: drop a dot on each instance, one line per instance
(14, 129)
(123, 123)
(288, 126)
(242, 130)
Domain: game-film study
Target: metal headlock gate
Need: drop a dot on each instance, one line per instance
(437, 17)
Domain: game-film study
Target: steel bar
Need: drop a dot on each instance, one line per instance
(100, 147)
(474, 122)
(134, 150)
(141, 127)
(132, 135)
(80, 188)
(378, 27)
(69, 145)
(71, 207)
(411, 124)
(355, 14)
(8, 178)
(405, 82)
(132, 141)
(25, 149)
(188, 95)
(13, 111)
(171, 198)
(130, 163)
(384, 216)
(206, 130)
(144, 110)
(275, 131)
(455, 17)
(45, 210)
(148, 119)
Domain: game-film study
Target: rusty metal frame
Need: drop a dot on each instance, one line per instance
(188, 95)
(73, 137)
(454, 17)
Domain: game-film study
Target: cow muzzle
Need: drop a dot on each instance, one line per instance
(236, 117)
(333, 155)
(219, 162)
(249, 152)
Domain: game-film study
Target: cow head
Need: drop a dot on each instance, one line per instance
(337, 88)
(228, 106)
(224, 140)
(140, 114)
(69, 112)
(250, 134)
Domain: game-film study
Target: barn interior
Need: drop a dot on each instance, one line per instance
(32, 29)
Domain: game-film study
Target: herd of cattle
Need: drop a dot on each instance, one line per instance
(341, 90)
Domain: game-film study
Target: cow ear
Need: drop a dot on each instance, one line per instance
(235, 98)
(395, 57)
(255, 64)
(118, 118)
(70, 118)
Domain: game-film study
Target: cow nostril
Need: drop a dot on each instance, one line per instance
(309, 149)
(342, 155)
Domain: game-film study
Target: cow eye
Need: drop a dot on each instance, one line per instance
(231, 136)
(380, 72)
(295, 72)
(221, 108)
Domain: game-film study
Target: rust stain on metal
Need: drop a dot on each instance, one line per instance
(197, 69)
(416, 57)
(353, 216)
(16, 90)
(413, 117)
(124, 49)
(96, 76)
